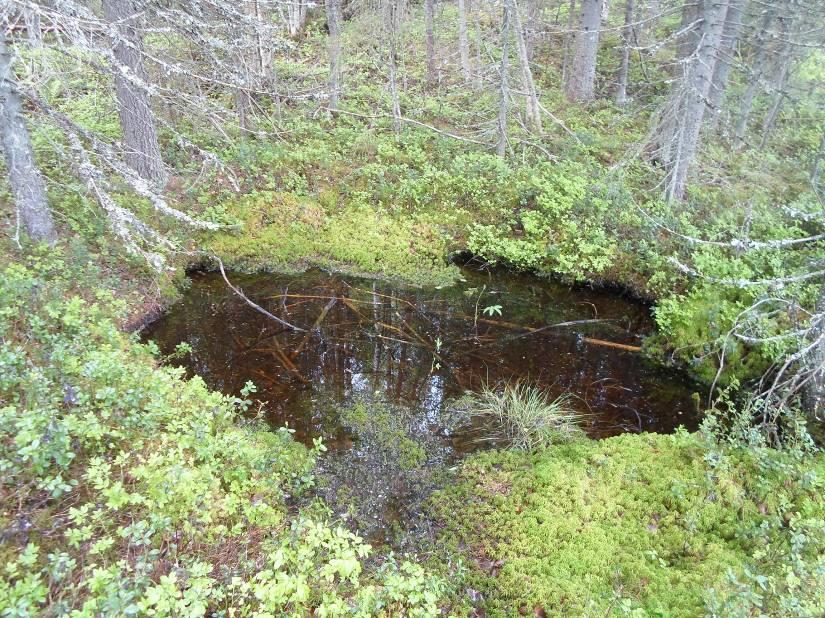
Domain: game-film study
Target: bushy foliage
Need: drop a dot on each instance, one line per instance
(128, 490)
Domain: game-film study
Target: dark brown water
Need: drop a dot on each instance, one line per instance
(379, 364)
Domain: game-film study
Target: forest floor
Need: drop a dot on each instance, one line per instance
(129, 487)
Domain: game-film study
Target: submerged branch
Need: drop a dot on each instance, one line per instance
(255, 306)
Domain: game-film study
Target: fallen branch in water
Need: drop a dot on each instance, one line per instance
(612, 344)
(256, 307)
(315, 326)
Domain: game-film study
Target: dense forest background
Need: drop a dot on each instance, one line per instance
(672, 150)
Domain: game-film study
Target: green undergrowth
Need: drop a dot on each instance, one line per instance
(128, 490)
(285, 232)
(640, 525)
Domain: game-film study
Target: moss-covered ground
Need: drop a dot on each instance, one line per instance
(642, 525)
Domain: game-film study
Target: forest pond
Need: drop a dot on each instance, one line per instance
(377, 368)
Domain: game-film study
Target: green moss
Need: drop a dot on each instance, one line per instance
(638, 521)
(385, 427)
(287, 232)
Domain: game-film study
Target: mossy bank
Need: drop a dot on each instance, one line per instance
(639, 525)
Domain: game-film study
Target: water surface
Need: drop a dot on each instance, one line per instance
(377, 366)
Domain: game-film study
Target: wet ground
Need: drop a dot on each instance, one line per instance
(376, 368)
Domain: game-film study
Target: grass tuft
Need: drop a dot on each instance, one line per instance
(527, 417)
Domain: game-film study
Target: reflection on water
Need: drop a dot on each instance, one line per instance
(377, 364)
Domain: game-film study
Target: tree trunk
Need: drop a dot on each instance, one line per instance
(581, 81)
(690, 29)
(463, 44)
(140, 138)
(296, 16)
(755, 76)
(392, 18)
(696, 87)
(532, 101)
(568, 37)
(243, 105)
(504, 90)
(814, 393)
(533, 20)
(479, 72)
(429, 11)
(263, 49)
(396, 102)
(780, 80)
(27, 185)
(817, 168)
(724, 60)
(333, 8)
(624, 67)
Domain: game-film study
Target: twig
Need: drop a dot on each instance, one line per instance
(255, 306)
(315, 326)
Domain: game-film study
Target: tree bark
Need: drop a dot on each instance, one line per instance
(624, 67)
(243, 105)
(695, 89)
(582, 78)
(817, 168)
(429, 11)
(814, 393)
(532, 101)
(27, 185)
(724, 60)
(333, 8)
(504, 90)
(392, 17)
(755, 77)
(568, 37)
(691, 30)
(137, 121)
(780, 80)
(296, 16)
(463, 44)
(478, 74)
(530, 30)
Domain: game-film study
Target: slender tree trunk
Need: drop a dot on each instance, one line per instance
(27, 185)
(817, 168)
(333, 8)
(773, 113)
(463, 43)
(532, 26)
(780, 80)
(296, 16)
(140, 137)
(532, 101)
(755, 76)
(429, 11)
(504, 90)
(624, 67)
(691, 29)
(581, 81)
(814, 393)
(263, 51)
(568, 38)
(724, 60)
(392, 21)
(479, 46)
(695, 92)
(396, 102)
(243, 105)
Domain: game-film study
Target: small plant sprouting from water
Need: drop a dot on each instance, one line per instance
(528, 418)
